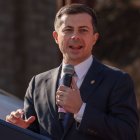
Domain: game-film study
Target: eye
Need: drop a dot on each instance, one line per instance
(67, 30)
(83, 30)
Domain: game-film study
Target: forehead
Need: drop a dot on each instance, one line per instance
(81, 19)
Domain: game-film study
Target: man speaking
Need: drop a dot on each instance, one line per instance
(99, 103)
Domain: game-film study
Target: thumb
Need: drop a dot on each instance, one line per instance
(30, 120)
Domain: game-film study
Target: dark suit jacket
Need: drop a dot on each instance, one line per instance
(110, 113)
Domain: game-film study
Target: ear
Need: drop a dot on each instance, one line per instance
(55, 36)
(95, 36)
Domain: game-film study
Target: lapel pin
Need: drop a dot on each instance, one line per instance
(92, 82)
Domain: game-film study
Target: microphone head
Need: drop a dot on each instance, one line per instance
(68, 69)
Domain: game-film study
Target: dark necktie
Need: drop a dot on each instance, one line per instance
(66, 120)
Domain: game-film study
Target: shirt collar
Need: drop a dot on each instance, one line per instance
(82, 68)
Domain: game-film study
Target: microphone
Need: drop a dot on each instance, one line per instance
(66, 81)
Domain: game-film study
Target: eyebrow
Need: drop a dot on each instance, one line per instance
(84, 27)
(79, 27)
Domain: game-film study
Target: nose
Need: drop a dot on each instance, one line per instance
(75, 36)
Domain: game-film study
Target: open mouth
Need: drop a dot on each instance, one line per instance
(76, 47)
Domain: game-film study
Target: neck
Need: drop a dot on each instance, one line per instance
(74, 63)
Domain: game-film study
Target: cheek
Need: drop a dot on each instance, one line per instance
(63, 42)
(89, 44)
(61, 38)
(62, 46)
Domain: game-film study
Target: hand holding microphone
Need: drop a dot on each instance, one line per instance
(66, 81)
(68, 96)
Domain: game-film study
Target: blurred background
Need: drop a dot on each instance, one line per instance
(27, 47)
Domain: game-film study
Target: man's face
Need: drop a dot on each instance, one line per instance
(75, 37)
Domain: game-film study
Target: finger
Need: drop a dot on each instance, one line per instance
(30, 120)
(62, 88)
(8, 118)
(60, 93)
(18, 114)
(21, 111)
(59, 102)
(14, 114)
(59, 98)
(11, 119)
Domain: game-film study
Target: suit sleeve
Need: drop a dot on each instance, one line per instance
(29, 105)
(120, 122)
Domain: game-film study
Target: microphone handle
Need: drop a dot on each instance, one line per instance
(67, 79)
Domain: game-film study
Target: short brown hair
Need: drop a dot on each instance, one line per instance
(75, 9)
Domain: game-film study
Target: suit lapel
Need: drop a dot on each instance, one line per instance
(92, 80)
(51, 87)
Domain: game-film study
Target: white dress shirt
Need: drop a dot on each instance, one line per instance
(81, 71)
